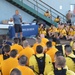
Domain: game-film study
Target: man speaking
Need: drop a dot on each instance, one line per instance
(17, 23)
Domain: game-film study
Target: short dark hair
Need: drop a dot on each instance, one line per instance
(58, 53)
(54, 39)
(6, 48)
(19, 41)
(15, 71)
(16, 40)
(13, 53)
(49, 44)
(23, 38)
(67, 46)
(39, 49)
(22, 60)
(58, 41)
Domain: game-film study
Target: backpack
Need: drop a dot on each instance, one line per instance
(41, 63)
(60, 72)
(73, 59)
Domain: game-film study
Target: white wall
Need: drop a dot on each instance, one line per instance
(57, 3)
(7, 10)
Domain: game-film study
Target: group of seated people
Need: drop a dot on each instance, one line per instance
(44, 57)
(49, 15)
(63, 31)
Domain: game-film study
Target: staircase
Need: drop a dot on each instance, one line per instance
(34, 8)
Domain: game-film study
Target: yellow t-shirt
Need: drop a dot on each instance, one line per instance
(8, 64)
(53, 30)
(51, 52)
(47, 14)
(43, 32)
(17, 47)
(25, 70)
(1, 58)
(53, 43)
(71, 33)
(57, 20)
(44, 40)
(28, 52)
(63, 32)
(70, 63)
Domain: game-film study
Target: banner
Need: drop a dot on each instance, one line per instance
(28, 31)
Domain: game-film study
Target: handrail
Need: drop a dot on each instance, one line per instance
(63, 17)
(52, 8)
(53, 14)
(44, 7)
(38, 6)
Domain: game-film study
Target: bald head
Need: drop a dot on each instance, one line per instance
(15, 71)
(23, 60)
(25, 43)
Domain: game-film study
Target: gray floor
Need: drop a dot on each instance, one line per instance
(32, 41)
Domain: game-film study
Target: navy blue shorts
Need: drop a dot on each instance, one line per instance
(18, 28)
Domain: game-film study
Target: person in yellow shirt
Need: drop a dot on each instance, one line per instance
(57, 19)
(25, 70)
(47, 14)
(9, 63)
(70, 58)
(71, 43)
(62, 33)
(43, 32)
(40, 28)
(44, 40)
(1, 56)
(59, 67)
(15, 71)
(52, 30)
(38, 42)
(70, 34)
(51, 50)
(27, 51)
(16, 45)
(45, 66)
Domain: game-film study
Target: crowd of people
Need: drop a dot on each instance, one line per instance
(47, 56)
(63, 31)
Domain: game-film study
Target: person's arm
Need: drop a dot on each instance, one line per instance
(66, 16)
(21, 19)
